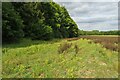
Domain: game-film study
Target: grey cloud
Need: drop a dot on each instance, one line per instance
(98, 15)
(90, 26)
(95, 19)
(86, 0)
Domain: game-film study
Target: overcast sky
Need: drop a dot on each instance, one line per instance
(93, 15)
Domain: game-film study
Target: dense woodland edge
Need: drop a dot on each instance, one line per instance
(40, 21)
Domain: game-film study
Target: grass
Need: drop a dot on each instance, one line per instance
(103, 35)
(109, 42)
(41, 59)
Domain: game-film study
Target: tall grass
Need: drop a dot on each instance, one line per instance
(63, 47)
(108, 42)
(40, 59)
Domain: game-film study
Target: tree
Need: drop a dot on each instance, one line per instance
(12, 24)
(41, 20)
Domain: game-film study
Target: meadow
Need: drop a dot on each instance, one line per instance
(84, 57)
(109, 41)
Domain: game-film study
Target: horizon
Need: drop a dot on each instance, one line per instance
(99, 30)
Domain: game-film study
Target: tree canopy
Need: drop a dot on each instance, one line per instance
(36, 20)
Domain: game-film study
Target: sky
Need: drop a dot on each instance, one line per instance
(101, 16)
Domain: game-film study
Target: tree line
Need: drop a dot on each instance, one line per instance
(97, 32)
(36, 20)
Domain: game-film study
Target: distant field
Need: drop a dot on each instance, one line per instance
(108, 41)
(84, 57)
(104, 35)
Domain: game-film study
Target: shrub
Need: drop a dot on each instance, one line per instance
(90, 42)
(111, 46)
(63, 47)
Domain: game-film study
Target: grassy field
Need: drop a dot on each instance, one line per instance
(67, 58)
(109, 42)
(103, 35)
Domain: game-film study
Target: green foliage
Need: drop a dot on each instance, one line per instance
(58, 18)
(42, 20)
(41, 32)
(31, 16)
(12, 28)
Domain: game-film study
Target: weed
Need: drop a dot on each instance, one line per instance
(90, 42)
(76, 49)
(45, 63)
(4, 50)
(63, 47)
